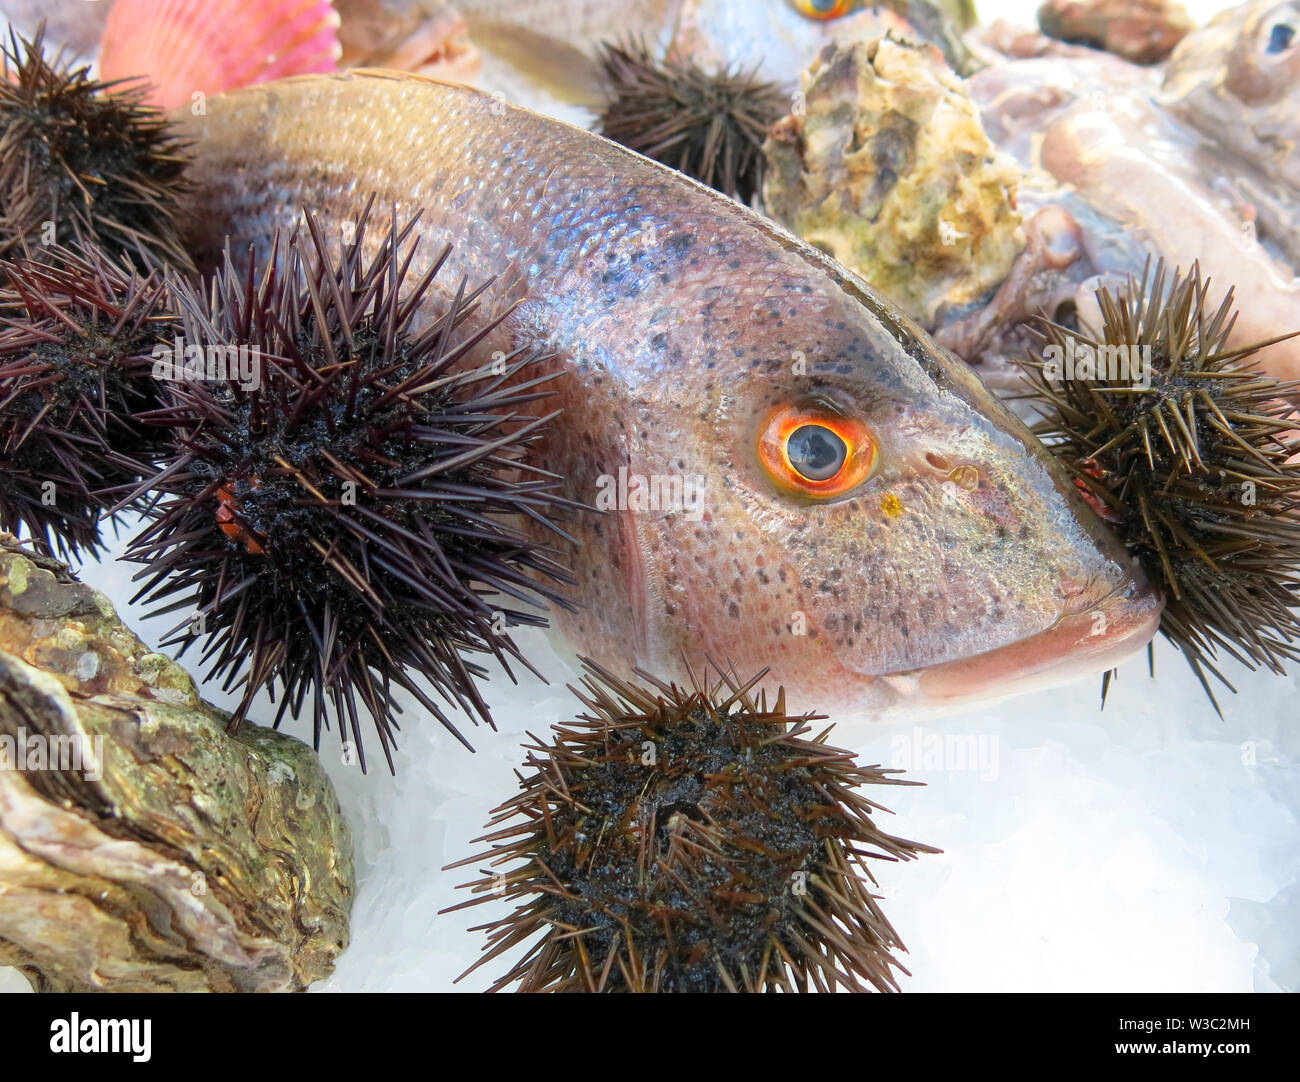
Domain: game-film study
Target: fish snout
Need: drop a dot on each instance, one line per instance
(1105, 618)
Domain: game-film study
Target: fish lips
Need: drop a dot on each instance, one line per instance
(1095, 635)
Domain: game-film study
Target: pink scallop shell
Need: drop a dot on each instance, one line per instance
(183, 47)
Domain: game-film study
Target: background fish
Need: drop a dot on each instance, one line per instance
(688, 330)
(428, 37)
(1238, 83)
(555, 41)
(1109, 152)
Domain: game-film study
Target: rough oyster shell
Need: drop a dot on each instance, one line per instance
(178, 857)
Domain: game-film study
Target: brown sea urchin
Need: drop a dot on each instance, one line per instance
(76, 345)
(84, 160)
(339, 516)
(709, 125)
(689, 840)
(1193, 465)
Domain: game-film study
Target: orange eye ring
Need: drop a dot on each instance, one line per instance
(823, 10)
(859, 450)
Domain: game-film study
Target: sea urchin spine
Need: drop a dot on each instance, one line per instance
(338, 513)
(689, 840)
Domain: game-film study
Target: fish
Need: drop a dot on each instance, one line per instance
(557, 42)
(1105, 143)
(1237, 82)
(866, 522)
(428, 37)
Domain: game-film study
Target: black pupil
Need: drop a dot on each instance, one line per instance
(816, 452)
(1280, 37)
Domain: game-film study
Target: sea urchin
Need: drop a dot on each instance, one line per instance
(689, 840)
(1191, 458)
(84, 160)
(338, 511)
(709, 125)
(75, 371)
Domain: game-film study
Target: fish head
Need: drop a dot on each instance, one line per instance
(856, 511)
(1238, 80)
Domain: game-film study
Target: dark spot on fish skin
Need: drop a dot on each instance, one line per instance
(680, 243)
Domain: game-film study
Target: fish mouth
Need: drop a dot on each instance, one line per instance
(1090, 639)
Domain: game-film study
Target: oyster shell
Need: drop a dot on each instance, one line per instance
(887, 168)
(160, 852)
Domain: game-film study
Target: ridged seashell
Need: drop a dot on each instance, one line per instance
(184, 47)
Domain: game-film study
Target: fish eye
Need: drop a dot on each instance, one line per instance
(823, 9)
(1280, 38)
(814, 451)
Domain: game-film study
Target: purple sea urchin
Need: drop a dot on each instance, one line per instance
(338, 520)
(84, 160)
(690, 840)
(709, 125)
(75, 369)
(1195, 470)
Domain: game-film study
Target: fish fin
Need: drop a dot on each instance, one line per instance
(637, 588)
(184, 47)
(563, 71)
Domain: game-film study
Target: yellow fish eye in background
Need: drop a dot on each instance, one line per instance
(823, 9)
